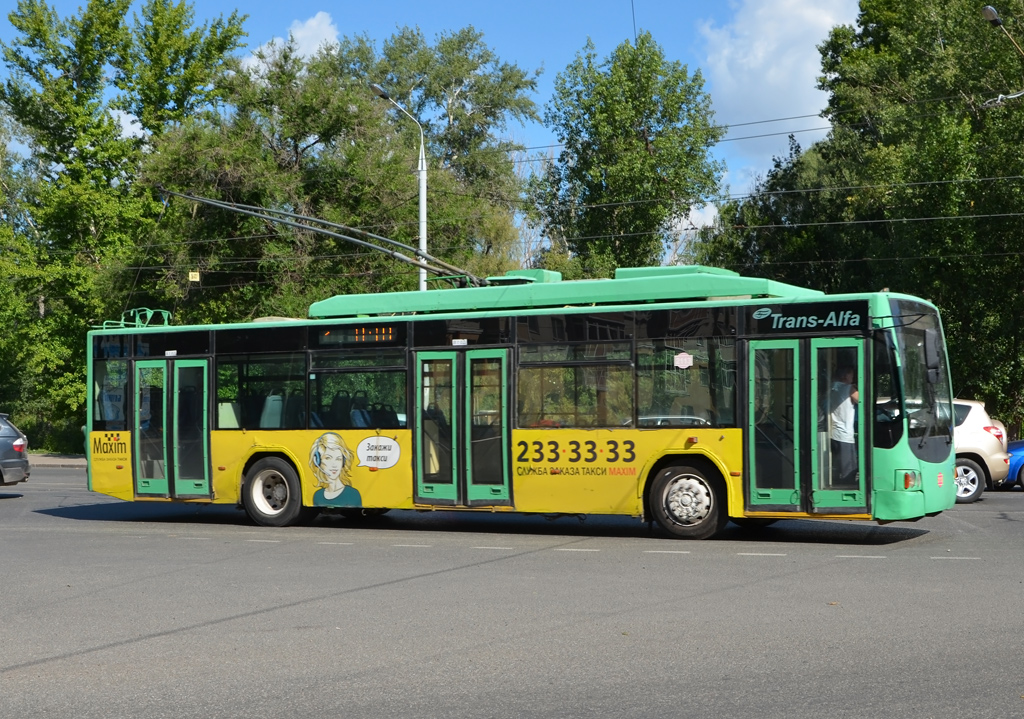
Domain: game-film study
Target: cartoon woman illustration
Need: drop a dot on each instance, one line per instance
(331, 462)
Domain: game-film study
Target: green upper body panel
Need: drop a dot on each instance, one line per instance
(528, 289)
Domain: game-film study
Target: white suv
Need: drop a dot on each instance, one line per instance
(981, 458)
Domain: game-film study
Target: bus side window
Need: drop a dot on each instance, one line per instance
(270, 417)
(227, 415)
(295, 411)
(340, 408)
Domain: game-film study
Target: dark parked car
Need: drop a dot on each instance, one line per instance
(13, 453)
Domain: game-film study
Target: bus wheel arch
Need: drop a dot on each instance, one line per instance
(686, 496)
(272, 491)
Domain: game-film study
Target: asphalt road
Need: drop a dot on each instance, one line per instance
(114, 609)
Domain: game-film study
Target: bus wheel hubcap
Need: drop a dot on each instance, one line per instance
(688, 500)
(270, 492)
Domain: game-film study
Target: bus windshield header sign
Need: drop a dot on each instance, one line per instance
(817, 318)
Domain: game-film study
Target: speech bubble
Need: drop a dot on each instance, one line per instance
(378, 453)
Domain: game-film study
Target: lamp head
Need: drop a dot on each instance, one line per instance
(989, 13)
(381, 92)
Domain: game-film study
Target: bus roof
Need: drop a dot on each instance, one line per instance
(531, 289)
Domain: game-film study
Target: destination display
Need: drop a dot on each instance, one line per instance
(358, 335)
(812, 318)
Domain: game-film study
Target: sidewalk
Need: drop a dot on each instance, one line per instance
(46, 459)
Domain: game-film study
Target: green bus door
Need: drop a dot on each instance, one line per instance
(150, 428)
(462, 428)
(171, 429)
(838, 440)
(191, 429)
(774, 437)
(805, 428)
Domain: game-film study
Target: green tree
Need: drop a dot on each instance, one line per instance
(86, 213)
(466, 98)
(308, 136)
(916, 188)
(636, 132)
(164, 44)
(19, 274)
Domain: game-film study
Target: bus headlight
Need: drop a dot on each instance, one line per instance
(911, 478)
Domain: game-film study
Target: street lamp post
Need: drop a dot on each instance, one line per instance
(382, 93)
(990, 14)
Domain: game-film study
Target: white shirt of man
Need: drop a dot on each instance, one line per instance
(842, 412)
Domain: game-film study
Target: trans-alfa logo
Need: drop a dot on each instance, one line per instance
(109, 443)
(846, 318)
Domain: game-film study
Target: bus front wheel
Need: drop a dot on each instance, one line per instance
(272, 495)
(687, 503)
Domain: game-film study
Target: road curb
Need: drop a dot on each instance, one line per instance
(59, 461)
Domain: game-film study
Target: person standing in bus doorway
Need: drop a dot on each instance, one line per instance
(331, 462)
(843, 438)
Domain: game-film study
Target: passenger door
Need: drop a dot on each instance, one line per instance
(171, 428)
(461, 427)
(806, 433)
(838, 476)
(774, 433)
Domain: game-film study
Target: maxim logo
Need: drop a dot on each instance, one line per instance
(109, 443)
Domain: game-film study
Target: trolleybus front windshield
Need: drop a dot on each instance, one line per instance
(926, 393)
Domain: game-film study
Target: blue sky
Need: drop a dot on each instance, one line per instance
(758, 57)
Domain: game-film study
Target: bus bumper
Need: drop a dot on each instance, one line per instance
(902, 505)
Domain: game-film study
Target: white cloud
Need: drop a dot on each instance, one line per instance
(703, 215)
(764, 65)
(309, 35)
(130, 125)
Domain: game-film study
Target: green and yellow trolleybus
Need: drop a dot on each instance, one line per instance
(690, 396)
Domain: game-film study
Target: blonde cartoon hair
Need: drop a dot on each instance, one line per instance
(323, 443)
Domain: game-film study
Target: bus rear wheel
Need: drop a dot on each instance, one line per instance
(687, 503)
(272, 495)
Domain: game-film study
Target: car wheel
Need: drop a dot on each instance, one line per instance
(272, 495)
(970, 480)
(687, 504)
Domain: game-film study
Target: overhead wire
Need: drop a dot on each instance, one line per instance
(718, 198)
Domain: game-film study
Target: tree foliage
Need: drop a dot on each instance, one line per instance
(636, 131)
(99, 110)
(307, 136)
(84, 213)
(917, 187)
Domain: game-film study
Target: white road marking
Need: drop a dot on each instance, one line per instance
(573, 549)
(666, 551)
